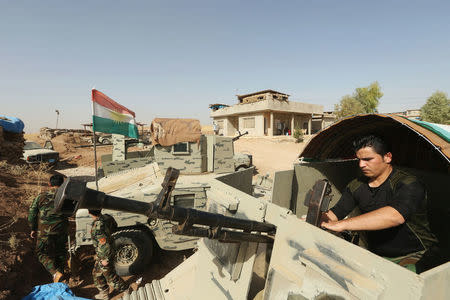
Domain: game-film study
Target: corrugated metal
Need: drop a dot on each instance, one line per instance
(412, 145)
(151, 291)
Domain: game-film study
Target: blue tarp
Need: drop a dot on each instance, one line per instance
(52, 291)
(11, 124)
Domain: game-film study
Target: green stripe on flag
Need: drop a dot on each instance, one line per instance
(109, 126)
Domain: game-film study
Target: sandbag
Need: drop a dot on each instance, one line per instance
(168, 132)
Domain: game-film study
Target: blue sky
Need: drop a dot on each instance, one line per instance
(174, 58)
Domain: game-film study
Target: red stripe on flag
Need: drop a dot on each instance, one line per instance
(107, 102)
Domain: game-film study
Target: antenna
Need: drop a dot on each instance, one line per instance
(57, 117)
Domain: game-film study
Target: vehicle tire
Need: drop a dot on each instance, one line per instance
(106, 142)
(134, 250)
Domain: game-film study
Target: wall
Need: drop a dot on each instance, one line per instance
(241, 180)
(258, 130)
(264, 96)
(269, 105)
(316, 126)
(194, 162)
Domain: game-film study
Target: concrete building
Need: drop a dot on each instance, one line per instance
(410, 113)
(266, 113)
(320, 122)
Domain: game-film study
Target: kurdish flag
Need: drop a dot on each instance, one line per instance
(111, 117)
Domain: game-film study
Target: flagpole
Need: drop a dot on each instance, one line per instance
(95, 143)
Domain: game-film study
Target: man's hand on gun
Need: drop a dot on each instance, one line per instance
(330, 221)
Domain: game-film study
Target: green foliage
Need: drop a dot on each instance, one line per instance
(363, 100)
(347, 107)
(298, 134)
(368, 97)
(437, 109)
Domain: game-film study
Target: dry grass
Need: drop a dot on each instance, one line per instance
(15, 170)
(13, 242)
(38, 173)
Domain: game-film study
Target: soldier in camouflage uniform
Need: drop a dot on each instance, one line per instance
(51, 230)
(104, 272)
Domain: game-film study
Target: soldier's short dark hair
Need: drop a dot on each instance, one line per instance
(95, 212)
(56, 180)
(378, 144)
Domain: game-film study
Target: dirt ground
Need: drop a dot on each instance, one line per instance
(19, 269)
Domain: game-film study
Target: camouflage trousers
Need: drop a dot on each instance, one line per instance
(408, 261)
(104, 275)
(51, 252)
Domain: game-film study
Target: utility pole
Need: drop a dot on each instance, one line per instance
(57, 117)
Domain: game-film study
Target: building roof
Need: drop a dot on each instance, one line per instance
(240, 97)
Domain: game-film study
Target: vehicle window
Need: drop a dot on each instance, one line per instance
(48, 145)
(181, 148)
(184, 200)
(31, 146)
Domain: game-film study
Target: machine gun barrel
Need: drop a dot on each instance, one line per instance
(73, 195)
(238, 136)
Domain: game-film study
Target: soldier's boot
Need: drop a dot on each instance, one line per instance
(103, 295)
(57, 276)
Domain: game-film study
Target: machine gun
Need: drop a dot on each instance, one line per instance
(238, 136)
(73, 195)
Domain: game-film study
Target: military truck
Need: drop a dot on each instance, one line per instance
(178, 143)
(304, 261)
(136, 236)
(136, 175)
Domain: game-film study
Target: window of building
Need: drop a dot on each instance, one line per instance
(275, 97)
(249, 122)
(261, 98)
(181, 148)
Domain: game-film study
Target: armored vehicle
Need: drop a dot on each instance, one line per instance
(139, 178)
(304, 261)
(178, 143)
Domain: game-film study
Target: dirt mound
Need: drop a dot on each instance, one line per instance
(19, 184)
(74, 150)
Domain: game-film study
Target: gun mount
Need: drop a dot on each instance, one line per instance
(317, 200)
(73, 195)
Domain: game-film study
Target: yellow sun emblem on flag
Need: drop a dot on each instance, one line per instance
(118, 117)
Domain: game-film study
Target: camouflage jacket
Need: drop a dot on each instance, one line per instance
(101, 232)
(41, 216)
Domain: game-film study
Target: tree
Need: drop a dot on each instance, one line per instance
(437, 109)
(369, 96)
(347, 107)
(363, 100)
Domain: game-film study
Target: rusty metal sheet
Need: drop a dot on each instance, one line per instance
(412, 145)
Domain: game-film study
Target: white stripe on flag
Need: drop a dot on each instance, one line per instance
(103, 112)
